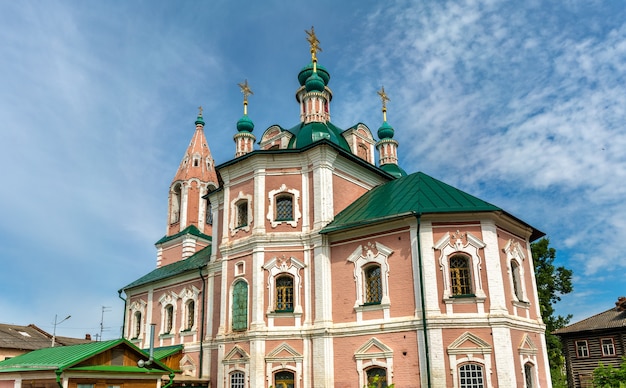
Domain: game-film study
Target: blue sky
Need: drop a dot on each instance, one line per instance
(522, 104)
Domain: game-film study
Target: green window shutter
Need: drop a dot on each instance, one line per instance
(240, 306)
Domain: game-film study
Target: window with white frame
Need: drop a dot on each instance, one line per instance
(283, 206)
(175, 203)
(190, 313)
(284, 282)
(528, 375)
(374, 362)
(237, 380)
(241, 213)
(460, 264)
(608, 347)
(168, 303)
(582, 349)
(240, 306)
(471, 375)
(371, 273)
(460, 279)
(137, 313)
(137, 324)
(515, 258)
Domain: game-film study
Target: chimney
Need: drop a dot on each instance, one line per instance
(620, 305)
(88, 337)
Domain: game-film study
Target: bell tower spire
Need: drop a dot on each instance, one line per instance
(187, 211)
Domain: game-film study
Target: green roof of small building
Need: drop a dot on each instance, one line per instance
(65, 357)
(165, 351)
(192, 263)
(191, 229)
(413, 194)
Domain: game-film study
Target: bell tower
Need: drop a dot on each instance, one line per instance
(189, 223)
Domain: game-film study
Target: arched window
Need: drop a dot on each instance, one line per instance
(376, 377)
(137, 323)
(175, 204)
(517, 280)
(237, 380)
(373, 284)
(240, 306)
(284, 207)
(284, 379)
(471, 376)
(528, 375)
(169, 319)
(460, 280)
(191, 315)
(284, 293)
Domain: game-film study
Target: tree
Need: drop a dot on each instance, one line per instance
(552, 282)
(607, 376)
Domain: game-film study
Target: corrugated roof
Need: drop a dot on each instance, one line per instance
(417, 193)
(610, 319)
(65, 357)
(23, 337)
(165, 351)
(192, 263)
(57, 357)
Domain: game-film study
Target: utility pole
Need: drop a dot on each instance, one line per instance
(54, 330)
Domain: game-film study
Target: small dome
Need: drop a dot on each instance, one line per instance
(200, 121)
(393, 169)
(307, 70)
(245, 124)
(385, 131)
(315, 83)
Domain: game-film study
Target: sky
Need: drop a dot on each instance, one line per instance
(522, 104)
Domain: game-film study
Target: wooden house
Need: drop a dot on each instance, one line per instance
(597, 339)
(107, 364)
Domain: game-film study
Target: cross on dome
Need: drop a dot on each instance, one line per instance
(245, 89)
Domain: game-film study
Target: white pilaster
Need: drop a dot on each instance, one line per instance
(493, 268)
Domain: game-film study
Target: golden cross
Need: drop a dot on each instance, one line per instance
(245, 89)
(314, 42)
(384, 98)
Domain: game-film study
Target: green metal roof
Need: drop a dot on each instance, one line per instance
(165, 351)
(191, 229)
(417, 193)
(306, 134)
(192, 263)
(64, 357)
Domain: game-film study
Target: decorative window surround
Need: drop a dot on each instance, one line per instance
(373, 353)
(187, 366)
(460, 353)
(236, 360)
(283, 357)
(166, 299)
(187, 295)
(275, 267)
(528, 355)
(240, 268)
(271, 211)
(234, 212)
(138, 306)
(448, 245)
(362, 257)
(514, 252)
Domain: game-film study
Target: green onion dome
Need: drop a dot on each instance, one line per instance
(200, 121)
(315, 83)
(385, 131)
(307, 70)
(245, 124)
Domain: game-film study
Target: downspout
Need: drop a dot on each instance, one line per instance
(58, 373)
(119, 294)
(418, 216)
(169, 383)
(201, 322)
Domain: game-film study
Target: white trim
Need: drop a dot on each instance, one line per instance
(366, 357)
(295, 203)
(234, 213)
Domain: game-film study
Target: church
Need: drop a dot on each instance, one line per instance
(312, 259)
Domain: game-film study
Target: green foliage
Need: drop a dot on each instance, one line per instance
(609, 377)
(552, 282)
(376, 382)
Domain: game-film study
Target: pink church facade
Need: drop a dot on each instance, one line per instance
(305, 263)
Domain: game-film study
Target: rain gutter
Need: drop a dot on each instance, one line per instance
(119, 294)
(201, 320)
